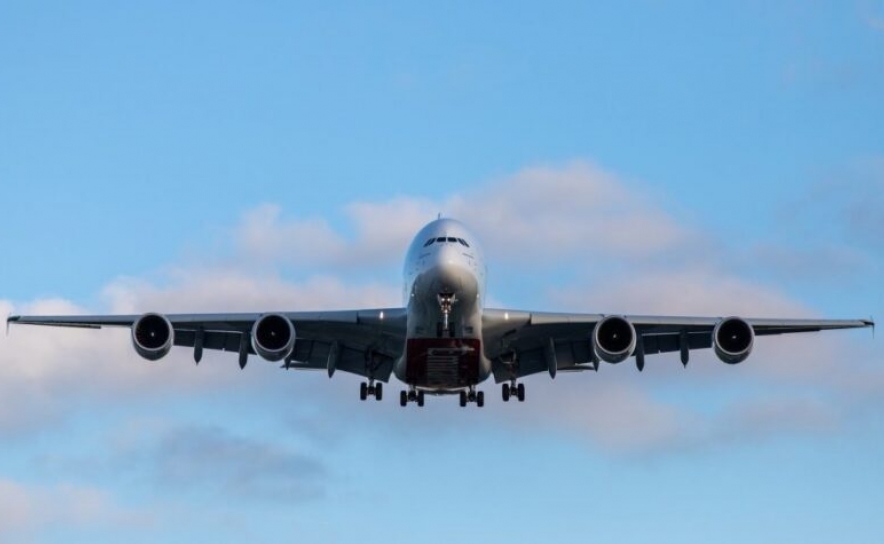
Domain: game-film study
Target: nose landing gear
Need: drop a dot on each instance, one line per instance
(446, 303)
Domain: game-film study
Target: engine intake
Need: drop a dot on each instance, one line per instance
(613, 339)
(152, 336)
(273, 337)
(733, 339)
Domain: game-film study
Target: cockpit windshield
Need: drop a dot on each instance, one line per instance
(446, 239)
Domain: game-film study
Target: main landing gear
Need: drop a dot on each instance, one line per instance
(411, 395)
(472, 396)
(371, 389)
(511, 389)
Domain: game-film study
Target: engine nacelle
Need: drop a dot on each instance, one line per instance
(273, 337)
(614, 339)
(733, 339)
(152, 336)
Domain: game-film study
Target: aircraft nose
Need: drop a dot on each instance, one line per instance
(448, 277)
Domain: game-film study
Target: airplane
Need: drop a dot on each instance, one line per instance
(443, 340)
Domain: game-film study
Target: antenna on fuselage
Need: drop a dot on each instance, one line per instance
(439, 216)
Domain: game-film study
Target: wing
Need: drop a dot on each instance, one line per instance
(363, 342)
(522, 343)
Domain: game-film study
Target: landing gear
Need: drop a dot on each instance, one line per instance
(472, 396)
(511, 389)
(446, 302)
(371, 389)
(440, 333)
(412, 395)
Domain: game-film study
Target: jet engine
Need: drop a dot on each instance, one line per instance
(152, 336)
(273, 337)
(613, 339)
(733, 338)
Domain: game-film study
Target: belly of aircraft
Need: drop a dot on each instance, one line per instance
(443, 363)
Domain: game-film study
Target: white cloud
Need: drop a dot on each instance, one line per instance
(687, 291)
(261, 234)
(615, 416)
(218, 290)
(579, 209)
(44, 372)
(544, 212)
(26, 508)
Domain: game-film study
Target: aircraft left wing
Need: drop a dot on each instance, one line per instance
(362, 342)
(520, 343)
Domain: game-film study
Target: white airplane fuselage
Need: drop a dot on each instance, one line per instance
(444, 295)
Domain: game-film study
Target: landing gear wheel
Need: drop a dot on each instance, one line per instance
(363, 391)
(480, 399)
(378, 391)
(403, 398)
(506, 392)
(520, 392)
(463, 399)
(420, 399)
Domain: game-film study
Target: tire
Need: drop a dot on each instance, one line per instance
(520, 392)
(480, 399)
(463, 399)
(506, 392)
(378, 391)
(403, 398)
(420, 399)
(363, 391)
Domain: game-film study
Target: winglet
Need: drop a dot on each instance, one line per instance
(11, 319)
(871, 323)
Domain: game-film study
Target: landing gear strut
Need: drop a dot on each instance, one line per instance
(472, 396)
(512, 389)
(446, 302)
(371, 389)
(412, 395)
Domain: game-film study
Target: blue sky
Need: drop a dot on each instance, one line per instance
(660, 157)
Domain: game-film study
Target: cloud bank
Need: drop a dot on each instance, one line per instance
(540, 217)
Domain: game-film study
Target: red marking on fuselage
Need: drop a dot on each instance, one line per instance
(442, 362)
